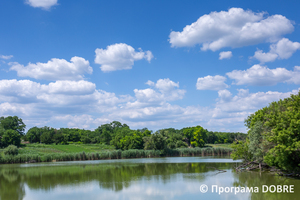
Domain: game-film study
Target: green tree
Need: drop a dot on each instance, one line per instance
(175, 140)
(74, 135)
(199, 136)
(105, 133)
(274, 134)
(188, 133)
(11, 137)
(33, 134)
(58, 138)
(47, 135)
(241, 151)
(156, 142)
(125, 138)
(13, 123)
(256, 146)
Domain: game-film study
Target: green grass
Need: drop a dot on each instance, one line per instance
(71, 148)
(71, 152)
(219, 145)
(42, 149)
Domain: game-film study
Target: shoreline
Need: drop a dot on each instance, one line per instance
(116, 154)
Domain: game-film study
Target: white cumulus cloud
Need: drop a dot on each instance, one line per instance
(19, 91)
(55, 69)
(211, 83)
(225, 95)
(246, 101)
(27, 91)
(14, 109)
(225, 55)
(71, 87)
(261, 76)
(45, 4)
(79, 104)
(166, 85)
(231, 110)
(228, 113)
(265, 57)
(164, 90)
(233, 28)
(295, 77)
(283, 49)
(120, 56)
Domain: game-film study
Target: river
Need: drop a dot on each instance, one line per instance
(150, 178)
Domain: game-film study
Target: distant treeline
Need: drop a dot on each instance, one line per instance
(114, 133)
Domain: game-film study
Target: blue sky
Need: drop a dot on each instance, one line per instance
(154, 64)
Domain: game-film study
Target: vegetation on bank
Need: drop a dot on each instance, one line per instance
(14, 157)
(273, 138)
(109, 141)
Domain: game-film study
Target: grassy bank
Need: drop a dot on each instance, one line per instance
(42, 149)
(219, 145)
(47, 153)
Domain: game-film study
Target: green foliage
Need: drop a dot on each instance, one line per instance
(274, 134)
(60, 138)
(12, 123)
(47, 138)
(107, 132)
(116, 134)
(241, 151)
(10, 137)
(33, 134)
(155, 142)
(256, 146)
(224, 137)
(116, 154)
(188, 133)
(199, 137)
(125, 138)
(11, 130)
(11, 150)
(174, 139)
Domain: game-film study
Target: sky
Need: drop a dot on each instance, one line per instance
(154, 64)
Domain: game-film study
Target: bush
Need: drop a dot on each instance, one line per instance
(11, 150)
(11, 137)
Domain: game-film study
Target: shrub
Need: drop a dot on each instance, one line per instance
(11, 150)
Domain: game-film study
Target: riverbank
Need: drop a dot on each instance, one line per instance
(112, 154)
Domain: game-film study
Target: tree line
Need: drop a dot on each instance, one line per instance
(114, 133)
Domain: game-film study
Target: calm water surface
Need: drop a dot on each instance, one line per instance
(151, 178)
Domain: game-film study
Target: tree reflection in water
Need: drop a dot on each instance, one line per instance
(118, 176)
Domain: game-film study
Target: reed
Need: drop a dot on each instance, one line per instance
(197, 151)
(115, 154)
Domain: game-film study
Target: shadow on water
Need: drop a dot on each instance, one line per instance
(258, 179)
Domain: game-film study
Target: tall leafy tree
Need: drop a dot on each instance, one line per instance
(156, 142)
(199, 136)
(47, 135)
(188, 134)
(33, 134)
(256, 142)
(12, 123)
(10, 137)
